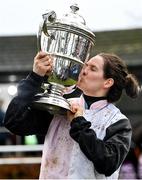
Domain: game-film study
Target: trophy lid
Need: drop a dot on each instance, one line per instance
(74, 19)
(71, 21)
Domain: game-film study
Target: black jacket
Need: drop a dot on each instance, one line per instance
(106, 154)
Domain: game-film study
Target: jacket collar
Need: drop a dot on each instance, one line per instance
(94, 106)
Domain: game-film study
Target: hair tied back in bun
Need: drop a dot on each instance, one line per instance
(131, 86)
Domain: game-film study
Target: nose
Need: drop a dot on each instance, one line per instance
(85, 70)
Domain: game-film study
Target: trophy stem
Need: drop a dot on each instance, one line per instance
(52, 99)
(55, 89)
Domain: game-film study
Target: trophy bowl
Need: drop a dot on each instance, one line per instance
(69, 42)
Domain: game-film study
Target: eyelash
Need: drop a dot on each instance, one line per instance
(93, 69)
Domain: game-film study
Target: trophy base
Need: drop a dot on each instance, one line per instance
(52, 103)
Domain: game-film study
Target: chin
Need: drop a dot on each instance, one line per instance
(81, 87)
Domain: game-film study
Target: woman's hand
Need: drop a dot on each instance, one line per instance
(42, 64)
(76, 111)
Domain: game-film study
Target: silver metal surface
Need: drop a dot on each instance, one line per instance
(69, 41)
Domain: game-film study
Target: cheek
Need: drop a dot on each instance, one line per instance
(95, 81)
(94, 77)
(98, 75)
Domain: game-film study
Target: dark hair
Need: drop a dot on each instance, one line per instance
(115, 67)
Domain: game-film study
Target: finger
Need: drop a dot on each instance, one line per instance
(47, 59)
(74, 109)
(40, 55)
(43, 61)
(50, 61)
(48, 69)
(43, 65)
(46, 63)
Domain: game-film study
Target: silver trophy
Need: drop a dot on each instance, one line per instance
(69, 41)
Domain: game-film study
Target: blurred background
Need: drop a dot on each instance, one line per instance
(118, 29)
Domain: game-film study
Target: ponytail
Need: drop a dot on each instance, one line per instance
(131, 86)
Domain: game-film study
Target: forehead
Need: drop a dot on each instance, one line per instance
(96, 61)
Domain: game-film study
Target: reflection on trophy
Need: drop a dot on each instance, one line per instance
(69, 41)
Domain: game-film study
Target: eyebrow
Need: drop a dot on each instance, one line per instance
(92, 65)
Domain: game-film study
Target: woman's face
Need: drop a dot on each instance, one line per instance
(91, 79)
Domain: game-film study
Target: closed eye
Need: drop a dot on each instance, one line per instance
(94, 68)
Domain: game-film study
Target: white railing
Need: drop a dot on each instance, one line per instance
(19, 149)
(20, 160)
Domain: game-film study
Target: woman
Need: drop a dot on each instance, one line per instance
(94, 138)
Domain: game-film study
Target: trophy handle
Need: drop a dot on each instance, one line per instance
(42, 28)
(49, 16)
(39, 37)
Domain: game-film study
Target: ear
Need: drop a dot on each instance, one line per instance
(108, 83)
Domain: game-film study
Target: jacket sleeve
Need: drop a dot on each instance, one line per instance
(107, 154)
(20, 117)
